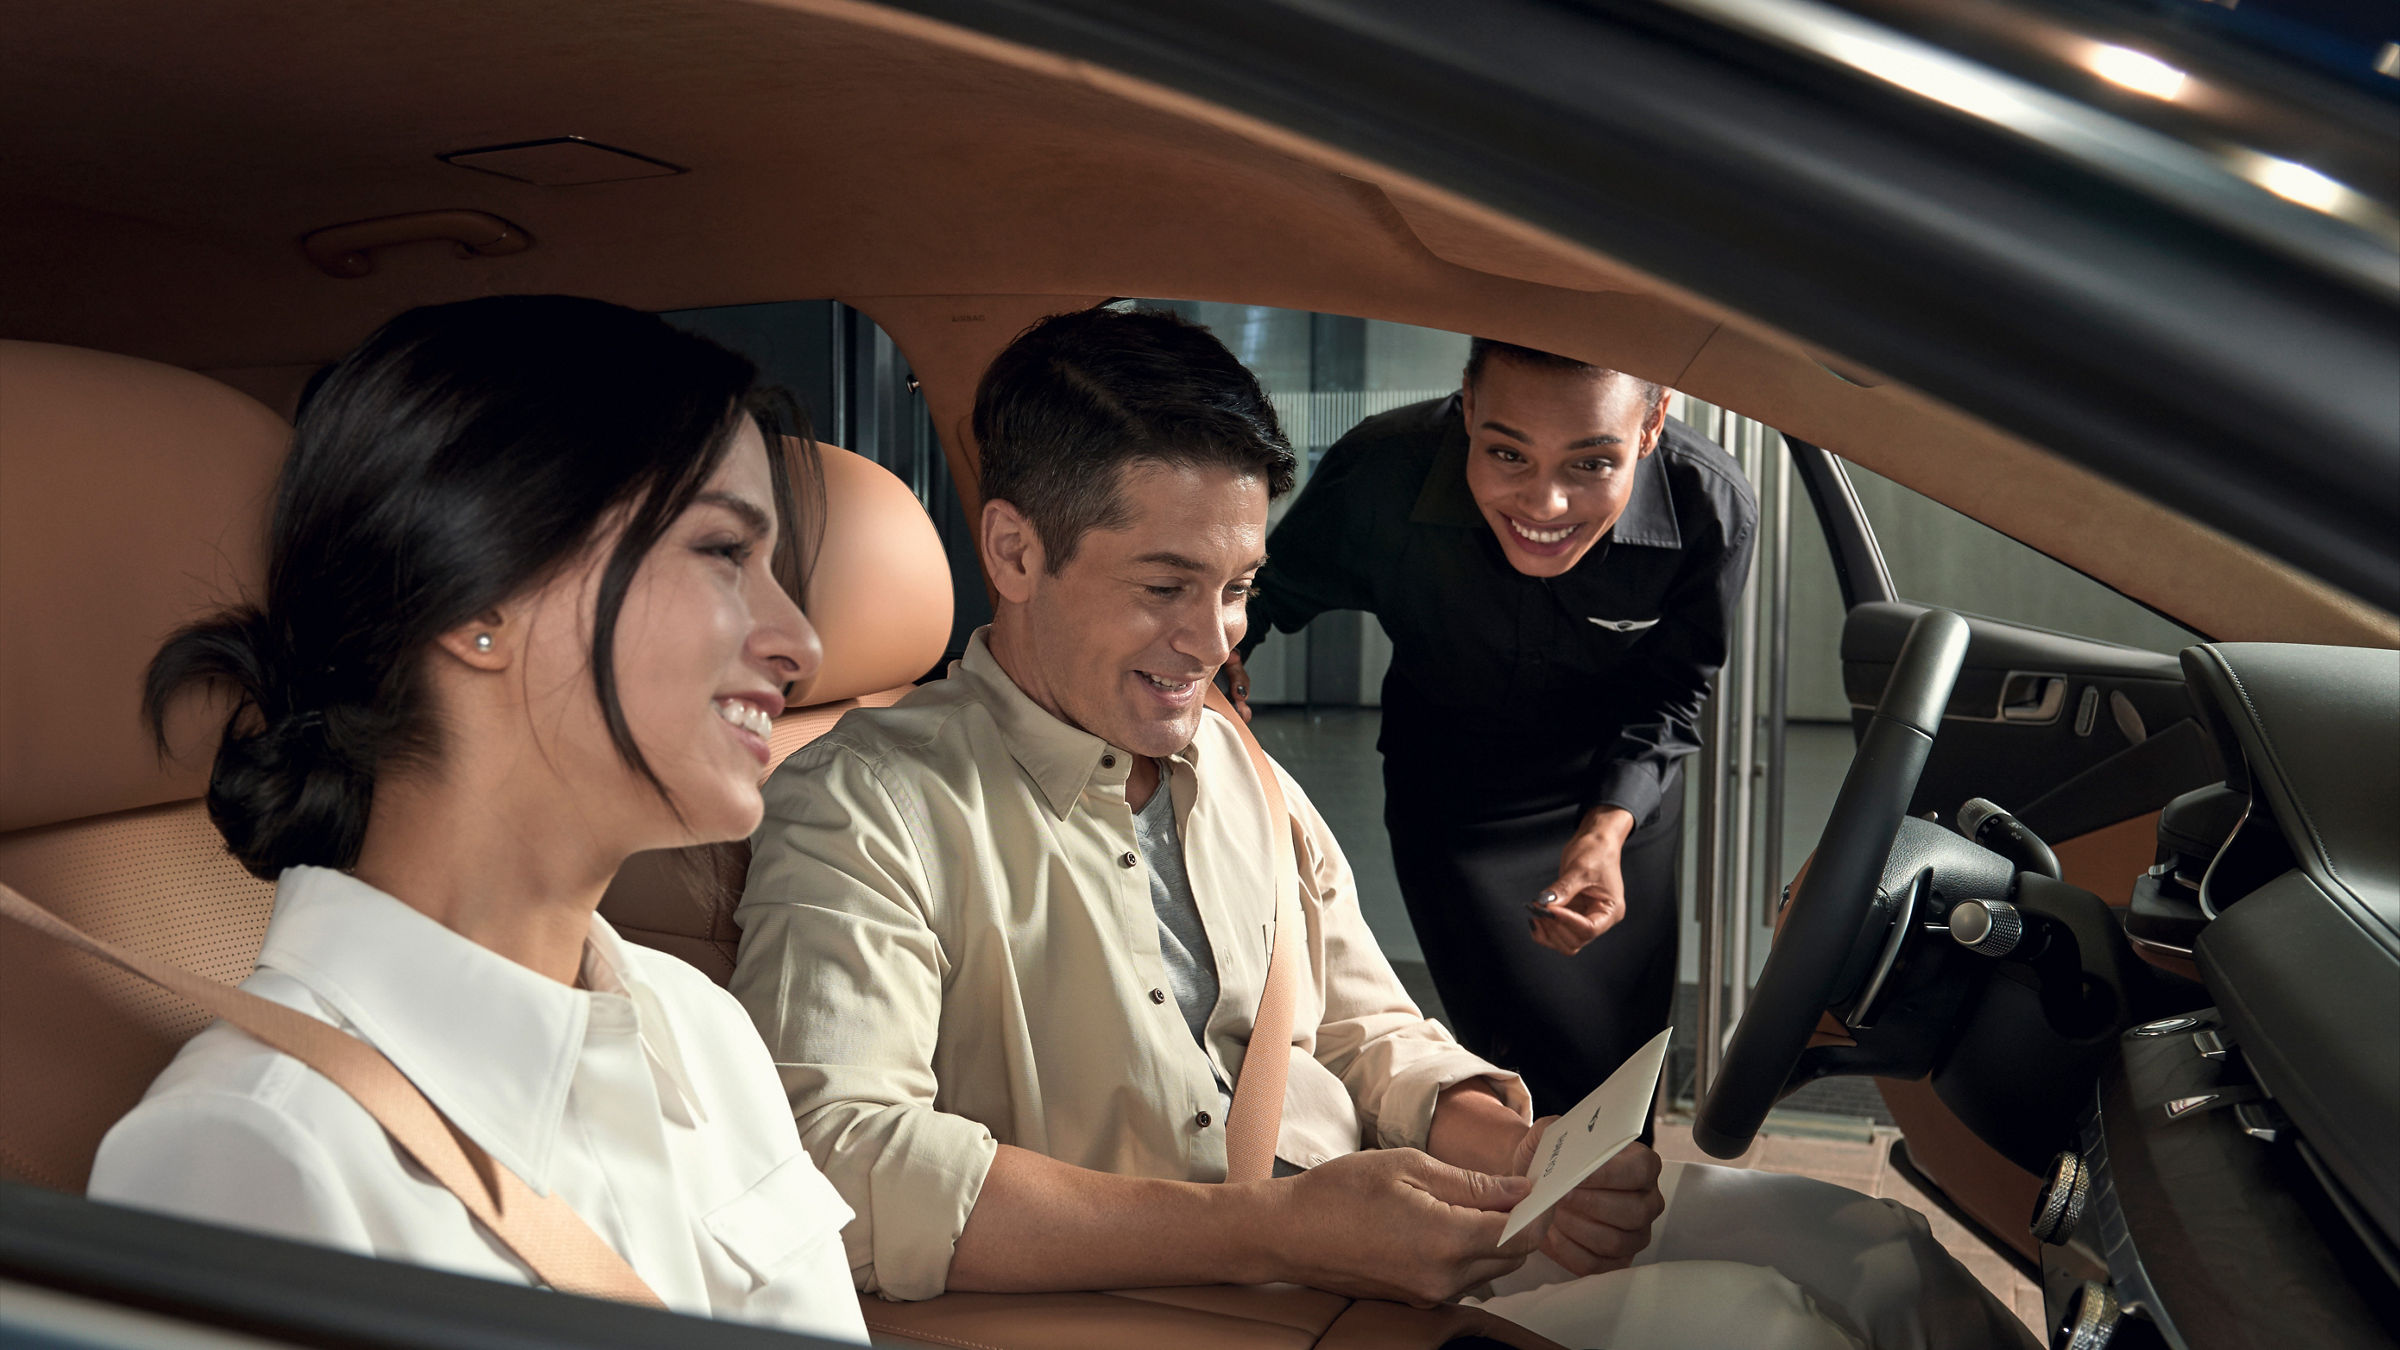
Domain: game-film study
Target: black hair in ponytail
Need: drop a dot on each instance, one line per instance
(460, 456)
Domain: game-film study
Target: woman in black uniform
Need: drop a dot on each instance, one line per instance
(1557, 565)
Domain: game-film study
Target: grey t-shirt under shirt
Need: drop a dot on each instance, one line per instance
(1191, 963)
(1182, 941)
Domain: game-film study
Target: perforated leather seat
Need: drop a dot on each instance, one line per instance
(133, 498)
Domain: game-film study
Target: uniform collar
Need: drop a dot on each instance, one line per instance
(1063, 761)
(490, 1043)
(1649, 518)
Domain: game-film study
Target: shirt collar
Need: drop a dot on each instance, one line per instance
(490, 1043)
(1063, 761)
(1444, 500)
(1649, 518)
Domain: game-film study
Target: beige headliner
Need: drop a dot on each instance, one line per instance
(162, 159)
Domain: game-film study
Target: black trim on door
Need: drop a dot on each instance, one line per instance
(296, 1294)
(1858, 564)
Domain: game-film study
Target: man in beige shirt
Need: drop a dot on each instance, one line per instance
(1009, 989)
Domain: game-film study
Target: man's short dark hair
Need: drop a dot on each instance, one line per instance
(1078, 397)
(1484, 349)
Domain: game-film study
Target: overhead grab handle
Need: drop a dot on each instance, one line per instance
(348, 250)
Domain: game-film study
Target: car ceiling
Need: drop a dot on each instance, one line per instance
(162, 160)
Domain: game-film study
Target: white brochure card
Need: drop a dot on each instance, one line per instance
(1598, 1129)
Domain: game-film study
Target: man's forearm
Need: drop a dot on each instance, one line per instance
(1474, 1129)
(1040, 1224)
(1385, 1223)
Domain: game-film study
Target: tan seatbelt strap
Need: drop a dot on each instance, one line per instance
(1255, 1121)
(541, 1229)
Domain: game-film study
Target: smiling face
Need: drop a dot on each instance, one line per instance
(1550, 456)
(1123, 640)
(705, 644)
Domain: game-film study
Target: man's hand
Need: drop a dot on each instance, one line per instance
(1395, 1224)
(1589, 896)
(1604, 1223)
(1237, 684)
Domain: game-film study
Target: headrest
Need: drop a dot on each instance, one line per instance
(880, 592)
(132, 499)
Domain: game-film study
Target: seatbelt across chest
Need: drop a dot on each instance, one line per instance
(544, 1232)
(1255, 1120)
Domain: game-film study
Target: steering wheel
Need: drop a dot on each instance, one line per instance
(1834, 902)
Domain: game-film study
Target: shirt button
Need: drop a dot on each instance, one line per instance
(1108, 761)
(1129, 859)
(1202, 1120)
(1158, 996)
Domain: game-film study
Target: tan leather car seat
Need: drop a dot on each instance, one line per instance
(133, 498)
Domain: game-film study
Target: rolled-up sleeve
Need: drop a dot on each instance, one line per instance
(1394, 1060)
(842, 972)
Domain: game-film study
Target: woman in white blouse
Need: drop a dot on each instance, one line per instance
(526, 613)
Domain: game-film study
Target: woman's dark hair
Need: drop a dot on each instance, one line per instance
(1079, 396)
(463, 454)
(1481, 350)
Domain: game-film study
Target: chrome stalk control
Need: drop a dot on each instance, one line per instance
(1989, 927)
(2059, 1207)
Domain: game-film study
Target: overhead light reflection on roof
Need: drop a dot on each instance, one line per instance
(2295, 182)
(2137, 71)
(1932, 73)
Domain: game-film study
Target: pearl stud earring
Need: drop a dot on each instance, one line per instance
(483, 642)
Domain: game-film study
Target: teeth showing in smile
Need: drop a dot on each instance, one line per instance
(748, 716)
(1542, 536)
(1165, 686)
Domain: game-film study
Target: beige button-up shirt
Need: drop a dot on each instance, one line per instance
(948, 943)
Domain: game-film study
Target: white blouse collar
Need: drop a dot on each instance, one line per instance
(488, 1041)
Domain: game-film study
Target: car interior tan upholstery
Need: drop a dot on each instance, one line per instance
(1021, 173)
(878, 586)
(879, 595)
(133, 498)
(1209, 1317)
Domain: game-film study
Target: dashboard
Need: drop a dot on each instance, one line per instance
(2235, 1180)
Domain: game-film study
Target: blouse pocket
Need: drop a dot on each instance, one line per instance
(792, 1212)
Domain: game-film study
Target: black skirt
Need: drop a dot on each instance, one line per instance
(1564, 1022)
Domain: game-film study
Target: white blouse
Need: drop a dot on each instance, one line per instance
(646, 1099)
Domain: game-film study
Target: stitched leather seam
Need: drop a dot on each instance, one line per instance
(936, 1337)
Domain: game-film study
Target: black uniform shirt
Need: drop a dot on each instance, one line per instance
(1510, 694)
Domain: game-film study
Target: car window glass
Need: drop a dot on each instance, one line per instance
(1940, 557)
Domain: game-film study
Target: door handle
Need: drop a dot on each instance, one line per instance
(2030, 697)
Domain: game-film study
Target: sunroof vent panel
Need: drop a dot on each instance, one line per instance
(561, 161)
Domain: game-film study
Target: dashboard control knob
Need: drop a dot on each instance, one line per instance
(2091, 1319)
(1991, 927)
(2059, 1207)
